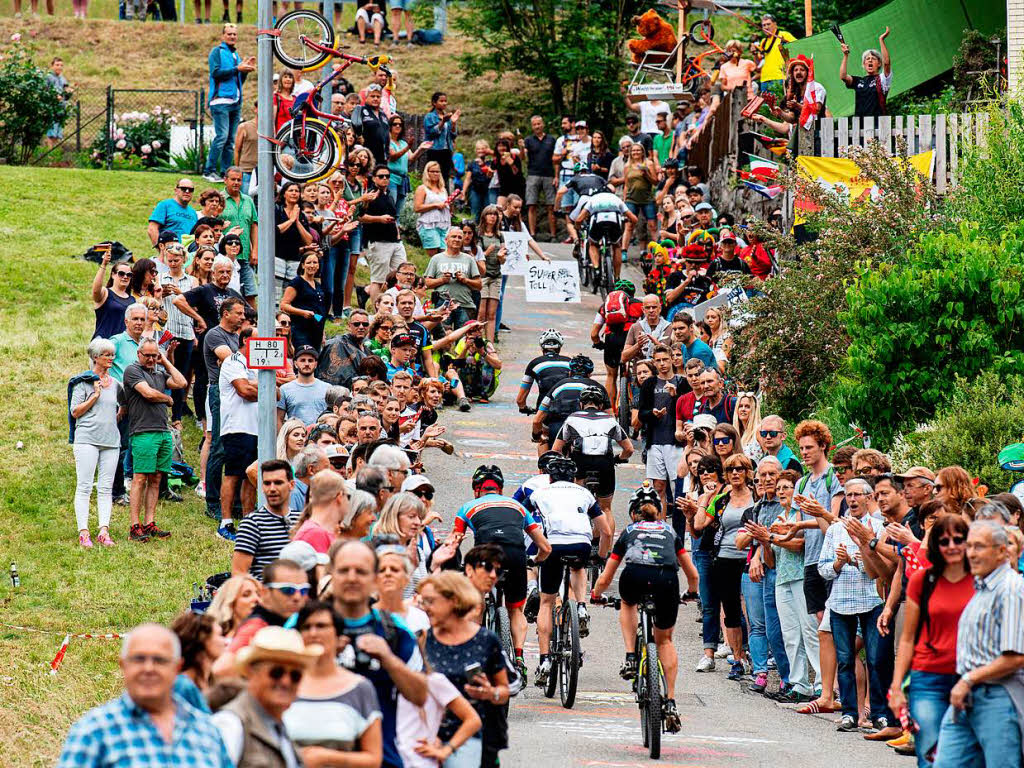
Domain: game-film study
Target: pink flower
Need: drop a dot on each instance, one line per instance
(157, 145)
(146, 149)
(121, 144)
(16, 37)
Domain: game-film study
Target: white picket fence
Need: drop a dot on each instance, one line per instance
(948, 135)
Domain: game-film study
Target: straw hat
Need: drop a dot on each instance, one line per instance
(281, 645)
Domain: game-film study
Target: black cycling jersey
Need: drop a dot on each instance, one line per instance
(564, 398)
(586, 183)
(649, 543)
(547, 370)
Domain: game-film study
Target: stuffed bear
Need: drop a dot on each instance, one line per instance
(656, 35)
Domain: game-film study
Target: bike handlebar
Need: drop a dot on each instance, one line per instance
(607, 602)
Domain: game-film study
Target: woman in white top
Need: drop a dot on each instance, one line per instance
(747, 419)
(394, 568)
(434, 215)
(721, 340)
(92, 401)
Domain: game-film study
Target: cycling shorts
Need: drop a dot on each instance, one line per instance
(553, 568)
(661, 583)
(614, 343)
(610, 230)
(515, 576)
(602, 466)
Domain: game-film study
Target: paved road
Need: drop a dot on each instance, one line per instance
(722, 723)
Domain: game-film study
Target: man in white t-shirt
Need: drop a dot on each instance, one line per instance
(649, 111)
(238, 427)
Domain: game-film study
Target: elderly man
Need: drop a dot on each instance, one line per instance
(262, 534)
(649, 331)
(240, 211)
(175, 214)
(716, 401)
(854, 603)
(202, 303)
(918, 486)
(380, 648)
(341, 355)
(147, 726)
(250, 725)
(307, 463)
(145, 400)
(456, 274)
(981, 726)
(367, 427)
(392, 460)
(126, 352)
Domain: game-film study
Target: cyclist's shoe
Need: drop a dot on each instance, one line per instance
(521, 668)
(628, 669)
(584, 620)
(532, 606)
(706, 664)
(672, 722)
(542, 673)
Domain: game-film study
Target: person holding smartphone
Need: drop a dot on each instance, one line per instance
(175, 282)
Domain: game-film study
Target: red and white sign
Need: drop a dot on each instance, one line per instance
(268, 353)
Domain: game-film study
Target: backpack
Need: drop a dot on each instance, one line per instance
(830, 476)
(427, 37)
(616, 308)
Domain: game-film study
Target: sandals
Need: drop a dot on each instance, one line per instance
(815, 708)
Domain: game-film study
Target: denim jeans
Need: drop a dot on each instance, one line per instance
(844, 633)
(986, 734)
(215, 461)
(800, 635)
(225, 124)
(711, 624)
(466, 756)
(477, 202)
(928, 700)
(763, 621)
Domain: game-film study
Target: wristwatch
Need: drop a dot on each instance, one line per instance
(496, 695)
(448, 744)
(873, 543)
(771, 538)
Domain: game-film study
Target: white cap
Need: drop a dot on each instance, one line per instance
(303, 555)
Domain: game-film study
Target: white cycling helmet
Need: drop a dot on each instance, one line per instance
(551, 338)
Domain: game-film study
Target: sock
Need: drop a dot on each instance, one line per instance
(518, 652)
(530, 586)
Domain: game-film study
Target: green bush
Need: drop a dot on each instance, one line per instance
(950, 308)
(980, 418)
(29, 106)
(139, 140)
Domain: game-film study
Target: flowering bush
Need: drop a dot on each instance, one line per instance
(29, 107)
(140, 139)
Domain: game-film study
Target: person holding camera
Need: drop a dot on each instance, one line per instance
(456, 274)
(375, 643)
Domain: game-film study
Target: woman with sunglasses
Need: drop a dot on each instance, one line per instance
(399, 159)
(434, 215)
(303, 300)
(378, 342)
(335, 719)
(927, 647)
(725, 441)
(143, 278)
(110, 300)
(746, 419)
(721, 518)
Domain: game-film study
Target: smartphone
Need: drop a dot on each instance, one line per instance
(472, 670)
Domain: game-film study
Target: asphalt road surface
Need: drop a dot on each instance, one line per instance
(723, 724)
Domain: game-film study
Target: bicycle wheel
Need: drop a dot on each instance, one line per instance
(702, 32)
(609, 270)
(306, 152)
(504, 631)
(569, 667)
(555, 654)
(654, 702)
(624, 404)
(640, 688)
(292, 29)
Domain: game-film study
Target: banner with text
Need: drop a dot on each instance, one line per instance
(516, 247)
(553, 281)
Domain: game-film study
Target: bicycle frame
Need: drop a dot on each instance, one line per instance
(694, 64)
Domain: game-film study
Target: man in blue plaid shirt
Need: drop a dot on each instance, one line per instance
(146, 726)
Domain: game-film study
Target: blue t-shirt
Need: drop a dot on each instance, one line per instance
(304, 401)
(171, 215)
(702, 352)
(406, 648)
(189, 691)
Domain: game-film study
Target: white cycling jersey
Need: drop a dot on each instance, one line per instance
(567, 510)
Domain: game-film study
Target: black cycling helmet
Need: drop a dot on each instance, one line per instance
(592, 395)
(581, 365)
(542, 462)
(562, 468)
(487, 472)
(645, 494)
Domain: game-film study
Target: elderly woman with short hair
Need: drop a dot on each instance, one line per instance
(92, 405)
(402, 517)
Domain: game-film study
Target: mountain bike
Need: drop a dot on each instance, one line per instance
(649, 686)
(496, 618)
(564, 649)
(604, 275)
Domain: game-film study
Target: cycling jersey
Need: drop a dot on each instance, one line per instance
(566, 510)
(586, 184)
(530, 486)
(649, 543)
(564, 399)
(606, 215)
(591, 433)
(495, 519)
(547, 370)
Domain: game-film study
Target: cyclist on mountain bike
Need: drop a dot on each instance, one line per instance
(546, 370)
(564, 400)
(652, 553)
(497, 519)
(522, 495)
(614, 319)
(571, 516)
(606, 211)
(582, 184)
(589, 435)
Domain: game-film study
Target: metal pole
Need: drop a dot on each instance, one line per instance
(265, 240)
(329, 90)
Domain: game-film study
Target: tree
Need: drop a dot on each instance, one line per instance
(29, 106)
(575, 46)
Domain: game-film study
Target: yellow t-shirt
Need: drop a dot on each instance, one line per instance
(774, 66)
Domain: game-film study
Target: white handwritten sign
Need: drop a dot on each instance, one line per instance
(267, 353)
(730, 297)
(657, 91)
(553, 281)
(516, 245)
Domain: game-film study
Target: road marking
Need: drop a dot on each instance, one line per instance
(609, 729)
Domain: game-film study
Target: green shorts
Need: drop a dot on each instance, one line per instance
(151, 452)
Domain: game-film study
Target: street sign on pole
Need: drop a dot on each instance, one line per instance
(267, 353)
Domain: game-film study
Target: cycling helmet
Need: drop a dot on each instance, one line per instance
(578, 167)
(581, 365)
(551, 338)
(625, 286)
(542, 462)
(562, 468)
(645, 494)
(487, 472)
(592, 395)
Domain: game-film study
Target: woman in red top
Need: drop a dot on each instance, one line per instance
(935, 599)
(284, 97)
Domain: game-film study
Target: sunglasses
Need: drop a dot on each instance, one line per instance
(187, 189)
(122, 273)
(382, 175)
(491, 568)
(276, 673)
(362, 324)
(770, 433)
(735, 469)
(288, 590)
(426, 494)
(955, 541)
(938, 486)
(722, 440)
